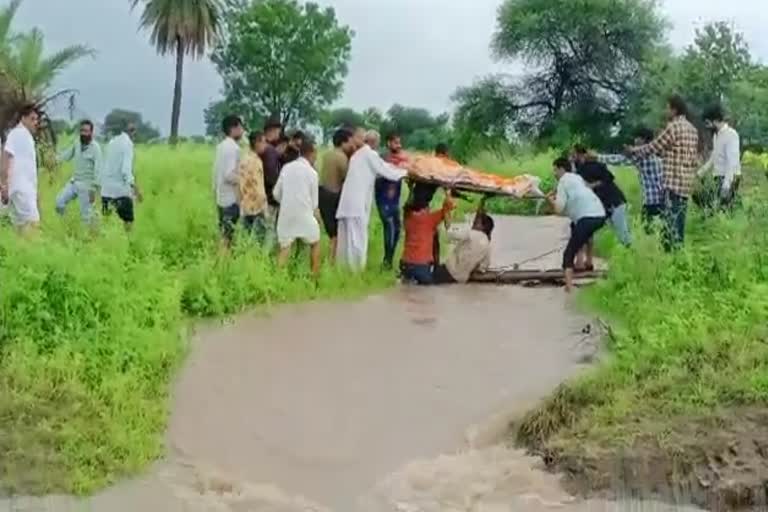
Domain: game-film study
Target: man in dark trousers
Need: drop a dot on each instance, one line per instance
(388, 200)
(270, 157)
(603, 183)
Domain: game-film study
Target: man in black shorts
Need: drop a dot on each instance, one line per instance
(118, 184)
(334, 170)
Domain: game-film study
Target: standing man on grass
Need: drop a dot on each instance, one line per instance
(226, 181)
(387, 194)
(271, 159)
(253, 195)
(678, 146)
(18, 172)
(118, 182)
(299, 218)
(83, 186)
(651, 174)
(334, 171)
(724, 163)
(356, 201)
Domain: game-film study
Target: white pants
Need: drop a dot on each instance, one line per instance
(352, 249)
(23, 208)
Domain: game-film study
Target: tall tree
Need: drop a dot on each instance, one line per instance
(584, 56)
(183, 28)
(118, 119)
(718, 58)
(281, 58)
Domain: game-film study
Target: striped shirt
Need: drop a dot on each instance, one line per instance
(678, 146)
(651, 172)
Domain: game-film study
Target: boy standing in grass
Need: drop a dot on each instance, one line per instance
(18, 172)
(297, 192)
(724, 163)
(253, 195)
(118, 182)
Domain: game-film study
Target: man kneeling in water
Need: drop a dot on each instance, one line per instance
(471, 252)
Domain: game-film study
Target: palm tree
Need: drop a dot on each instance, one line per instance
(183, 27)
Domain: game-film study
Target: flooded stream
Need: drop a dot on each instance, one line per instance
(393, 403)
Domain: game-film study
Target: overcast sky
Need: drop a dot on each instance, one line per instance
(413, 52)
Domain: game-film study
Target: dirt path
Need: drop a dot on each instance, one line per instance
(351, 405)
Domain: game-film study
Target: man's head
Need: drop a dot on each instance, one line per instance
(442, 150)
(272, 130)
(714, 117)
(372, 138)
(561, 166)
(308, 150)
(484, 222)
(579, 154)
(643, 135)
(86, 132)
(297, 139)
(232, 126)
(358, 137)
(342, 139)
(676, 107)
(257, 142)
(130, 129)
(394, 143)
(29, 117)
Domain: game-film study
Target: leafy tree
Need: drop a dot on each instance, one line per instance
(184, 28)
(373, 118)
(215, 112)
(717, 59)
(283, 59)
(330, 120)
(118, 119)
(585, 55)
(748, 107)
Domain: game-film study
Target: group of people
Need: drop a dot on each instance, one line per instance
(668, 167)
(109, 175)
(292, 194)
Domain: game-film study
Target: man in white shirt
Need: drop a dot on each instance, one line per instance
(354, 212)
(724, 163)
(118, 182)
(471, 252)
(297, 191)
(18, 172)
(226, 178)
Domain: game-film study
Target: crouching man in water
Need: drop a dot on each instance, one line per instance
(577, 201)
(421, 224)
(471, 252)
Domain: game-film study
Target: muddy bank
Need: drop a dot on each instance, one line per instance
(717, 462)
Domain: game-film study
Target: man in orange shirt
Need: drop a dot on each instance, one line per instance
(420, 227)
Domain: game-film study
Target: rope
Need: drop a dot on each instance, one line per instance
(517, 265)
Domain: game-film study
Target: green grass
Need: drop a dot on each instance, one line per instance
(92, 329)
(688, 336)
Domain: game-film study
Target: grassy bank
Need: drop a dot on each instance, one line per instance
(93, 328)
(685, 375)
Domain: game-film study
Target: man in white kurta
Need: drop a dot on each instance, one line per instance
(18, 172)
(354, 212)
(297, 191)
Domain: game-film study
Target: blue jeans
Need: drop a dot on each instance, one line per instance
(675, 211)
(419, 274)
(390, 219)
(620, 222)
(72, 191)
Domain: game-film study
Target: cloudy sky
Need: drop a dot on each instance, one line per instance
(414, 52)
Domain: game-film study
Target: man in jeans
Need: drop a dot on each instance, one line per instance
(651, 174)
(678, 146)
(388, 200)
(226, 179)
(86, 155)
(603, 183)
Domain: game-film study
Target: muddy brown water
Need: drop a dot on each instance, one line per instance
(393, 403)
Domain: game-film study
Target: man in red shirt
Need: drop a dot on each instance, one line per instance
(420, 227)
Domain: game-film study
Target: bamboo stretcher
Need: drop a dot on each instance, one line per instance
(519, 276)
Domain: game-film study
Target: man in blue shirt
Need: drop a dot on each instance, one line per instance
(388, 200)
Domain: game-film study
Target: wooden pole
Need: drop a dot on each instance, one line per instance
(520, 276)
